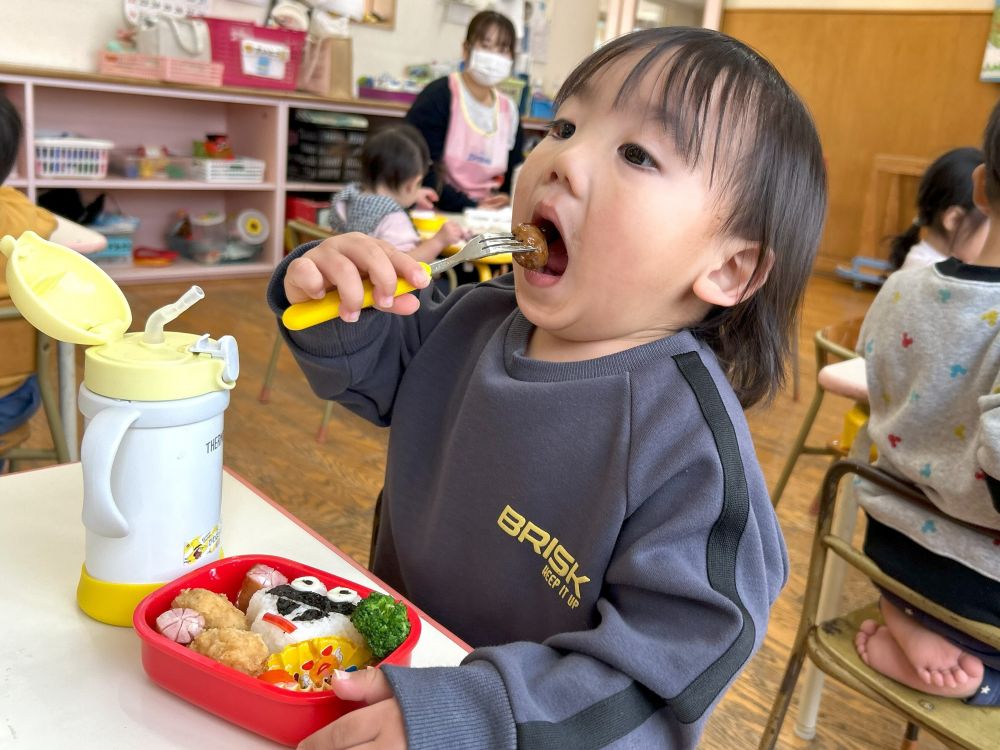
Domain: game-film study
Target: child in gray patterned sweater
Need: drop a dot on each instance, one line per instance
(931, 343)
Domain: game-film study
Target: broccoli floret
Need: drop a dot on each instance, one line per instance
(383, 622)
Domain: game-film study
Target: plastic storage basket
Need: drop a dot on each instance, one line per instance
(72, 157)
(241, 169)
(256, 56)
(118, 229)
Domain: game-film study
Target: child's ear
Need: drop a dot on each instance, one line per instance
(979, 196)
(951, 219)
(414, 184)
(730, 282)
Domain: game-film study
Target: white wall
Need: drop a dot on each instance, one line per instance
(871, 5)
(68, 34)
(572, 28)
(57, 33)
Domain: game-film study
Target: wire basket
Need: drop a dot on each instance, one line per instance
(72, 157)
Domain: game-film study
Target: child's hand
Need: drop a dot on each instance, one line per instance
(340, 262)
(379, 724)
(451, 233)
(426, 198)
(497, 200)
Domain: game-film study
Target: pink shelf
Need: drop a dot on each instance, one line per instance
(126, 184)
(186, 270)
(314, 187)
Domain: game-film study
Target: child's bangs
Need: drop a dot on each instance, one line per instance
(704, 94)
(727, 110)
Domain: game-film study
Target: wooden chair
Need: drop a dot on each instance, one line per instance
(887, 210)
(833, 343)
(29, 352)
(830, 645)
(883, 201)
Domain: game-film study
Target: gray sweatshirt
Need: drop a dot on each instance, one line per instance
(600, 530)
(931, 343)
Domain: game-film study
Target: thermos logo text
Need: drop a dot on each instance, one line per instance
(214, 444)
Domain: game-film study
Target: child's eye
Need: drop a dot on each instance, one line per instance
(561, 129)
(637, 155)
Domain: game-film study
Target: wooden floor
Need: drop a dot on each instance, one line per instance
(331, 487)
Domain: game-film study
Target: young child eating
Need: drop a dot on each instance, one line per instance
(571, 486)
(393, 164)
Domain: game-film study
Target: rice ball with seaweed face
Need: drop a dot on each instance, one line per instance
(300, 611)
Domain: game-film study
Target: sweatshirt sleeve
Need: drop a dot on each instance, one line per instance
(988, 448)
(359, 364)
(684, 604)
(431, 115)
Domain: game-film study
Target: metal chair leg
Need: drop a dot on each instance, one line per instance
(810, 695)
(798, 446)
(376, 518)
(810, 604)
(911, 739)
(796, 375)
(327, 413)
(44, 352)
(272, 366)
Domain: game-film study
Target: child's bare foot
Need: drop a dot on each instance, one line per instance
(936, 660)
(879, 650)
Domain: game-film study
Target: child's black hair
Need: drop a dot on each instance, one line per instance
(10, 136)
(946, 183)
(991, 157)
(725, 105)
(482, 22)
(394, 156)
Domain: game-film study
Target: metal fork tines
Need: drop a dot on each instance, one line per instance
(479, 247)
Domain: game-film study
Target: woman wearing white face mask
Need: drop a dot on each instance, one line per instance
(473, 131)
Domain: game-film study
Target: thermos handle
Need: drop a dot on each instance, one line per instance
(100, 445)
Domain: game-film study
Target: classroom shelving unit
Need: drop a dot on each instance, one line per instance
(131, 113)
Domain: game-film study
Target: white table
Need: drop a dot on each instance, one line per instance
(67, 680)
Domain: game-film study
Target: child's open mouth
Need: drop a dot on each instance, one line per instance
(558, 257)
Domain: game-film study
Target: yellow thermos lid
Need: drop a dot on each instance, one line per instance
(69, 297)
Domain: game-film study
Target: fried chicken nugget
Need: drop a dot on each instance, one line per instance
(240, 649)
(217, 610)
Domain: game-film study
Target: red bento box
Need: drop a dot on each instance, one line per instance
(281, 715)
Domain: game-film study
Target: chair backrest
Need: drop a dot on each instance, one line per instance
(845, 549)
(839, 340)
(884, 201)
(19, 358)
(300, 231)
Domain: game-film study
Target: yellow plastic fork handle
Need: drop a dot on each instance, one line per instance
(315, 311)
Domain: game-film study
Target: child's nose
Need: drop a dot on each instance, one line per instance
(570, 168)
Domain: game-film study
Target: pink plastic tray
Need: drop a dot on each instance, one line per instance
(278, 714)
